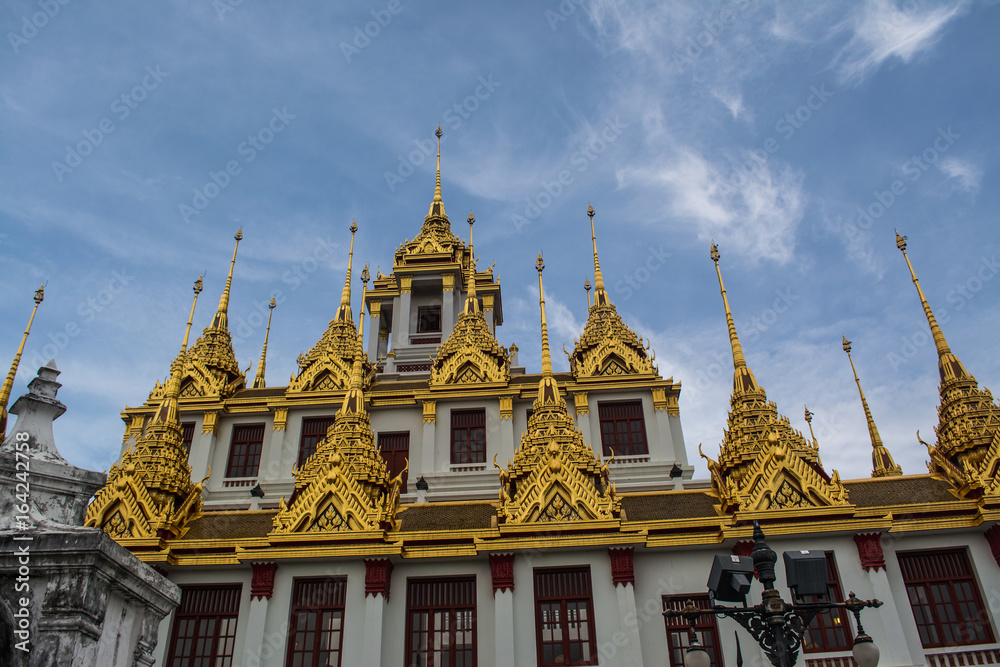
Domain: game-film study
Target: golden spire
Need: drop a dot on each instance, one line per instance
(600, 296)
(743, 379)
(258, 382)
(437, 206)
(548, 390)
(187, 332)
(586, 286)
(344, 312)
(8, 383)
(354, 401)
(809, 420)
(882, 463)
(471, 302)
(949, 365)
(221, 320)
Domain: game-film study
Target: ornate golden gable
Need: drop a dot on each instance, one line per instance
(607, 347)
(555, 475)
(327, 366)
(149, 493)
(471, 355)
(968, 426)
(763, 461)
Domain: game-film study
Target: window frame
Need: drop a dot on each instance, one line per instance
(706, 626)
(907, 562)
(187, 435)
(827, 620)
(428, 309)
(310, 606)
(445, 604)
(302, 457)
(562, 598)
(253, 451)
(455, 454)
(635, 447)
(394, 468)
(180, 616)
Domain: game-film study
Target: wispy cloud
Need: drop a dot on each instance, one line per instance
(965, 175)
(882, 31)
(756, 210)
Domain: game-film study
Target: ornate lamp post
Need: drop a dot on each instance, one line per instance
(776, 625)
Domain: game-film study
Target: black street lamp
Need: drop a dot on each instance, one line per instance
(774, 624)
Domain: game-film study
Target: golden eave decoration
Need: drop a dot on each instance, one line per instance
(778, 478)
(345, 484)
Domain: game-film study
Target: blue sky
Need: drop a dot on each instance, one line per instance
(796, 135)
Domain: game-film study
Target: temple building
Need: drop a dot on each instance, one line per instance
(414, 496)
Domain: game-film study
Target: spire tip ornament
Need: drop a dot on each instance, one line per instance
(882, 463)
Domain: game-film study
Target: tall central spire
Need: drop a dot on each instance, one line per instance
(8, 383)
(600, 295)
(882, 462)
(344, 311)
(743, 379)
(437, 206)
(221, 320)
(949, 365)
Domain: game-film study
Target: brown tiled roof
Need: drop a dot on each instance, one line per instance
(230, 525)
(471, 516)
(682, 505)
(898, 491)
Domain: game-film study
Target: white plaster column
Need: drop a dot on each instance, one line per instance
(663, 448)
(401, 320)
(506, 449)
(581, 403)
(447, 306)
(502, 570)
(427, 458)
(261, 589)
(374, 321)
(623, 577)
(378, 573)
(203, 447)
(892, 645)
(503, 613)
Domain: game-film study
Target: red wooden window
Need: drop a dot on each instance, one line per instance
(564, 617)
(677, 630)
(830, 630)
(623, 428)
(468, 436)
(395, 449)
(945, 598)
(187, 435)
(317, 624)
(313, 431)
(441, 622)
(205, 626)
(244, 450)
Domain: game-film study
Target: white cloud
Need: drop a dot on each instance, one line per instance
(882, 31)
(966, 175)
(754, 211)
